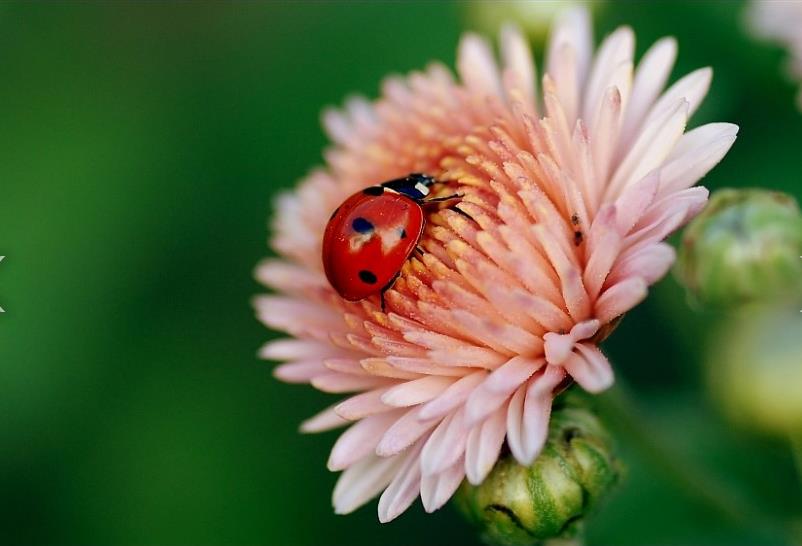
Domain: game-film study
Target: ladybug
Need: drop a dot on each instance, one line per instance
(370, 236)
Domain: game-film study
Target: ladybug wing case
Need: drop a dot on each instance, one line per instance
(367, 241)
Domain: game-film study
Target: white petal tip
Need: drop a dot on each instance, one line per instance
(601, 386)
(342, 511)
(389, 514)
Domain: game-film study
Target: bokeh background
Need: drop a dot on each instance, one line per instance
(140, 147)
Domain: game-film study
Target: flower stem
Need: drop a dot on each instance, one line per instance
(621, 407)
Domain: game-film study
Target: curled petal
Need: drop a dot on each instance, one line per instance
(590, 368)
(559, 346)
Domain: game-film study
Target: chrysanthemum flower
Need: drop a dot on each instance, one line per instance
(780, 21)
(571, 192)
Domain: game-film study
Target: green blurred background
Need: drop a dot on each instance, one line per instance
(140, 147)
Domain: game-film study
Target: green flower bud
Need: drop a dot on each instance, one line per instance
(517, 505)
(535, 18)
(745, 246)
(755, 368)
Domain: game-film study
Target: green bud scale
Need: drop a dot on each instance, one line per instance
(517, 505)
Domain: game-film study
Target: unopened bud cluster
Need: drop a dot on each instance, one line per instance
(518, 506)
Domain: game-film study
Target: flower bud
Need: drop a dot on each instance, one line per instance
(534, 17)
(745, 246)
(518, 505)
(755, 367)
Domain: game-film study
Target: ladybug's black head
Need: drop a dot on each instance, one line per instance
(415, 185)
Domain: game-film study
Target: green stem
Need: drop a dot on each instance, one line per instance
(693, 480)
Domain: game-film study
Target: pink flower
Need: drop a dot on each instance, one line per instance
(572, 196)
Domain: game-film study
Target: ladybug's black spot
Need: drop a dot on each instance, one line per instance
(373, 190)
(362, 225)
(403, 233)
(367, 277)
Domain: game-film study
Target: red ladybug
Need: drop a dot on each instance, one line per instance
(371, 235)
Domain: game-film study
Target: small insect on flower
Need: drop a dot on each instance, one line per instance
(371, 235)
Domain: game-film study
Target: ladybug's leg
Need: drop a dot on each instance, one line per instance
(419, 250)
(386, 288)
(458, 210)
(441, 199)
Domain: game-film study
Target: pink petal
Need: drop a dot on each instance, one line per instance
(634, 201)
(403, 433)
(453, 396)
(604, 133)
(518, 58)
(537, 409)
(650, 263)
(576, 297)
(423, 366)
(615, 50)
(505, 338)
(498, 386)
(338, 383)
(418, 391)
(515, 430)
(362, 405)
(325, 420)
(299, 372)
(298, 349)
(650, 78)
(564, 83)
(289, 277)
(468, 356)
(559, 346)
(589, 367)
(445, 445)
(363, 481)
(656, 140)
(484, 445)
(360, 440)
(477, 66)
(297, 317)
(404, 488)
(435, 490)
(691, 88)
(348, 366)
(620, 298)
(696, 152)
(571, 29)
(603, 248)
